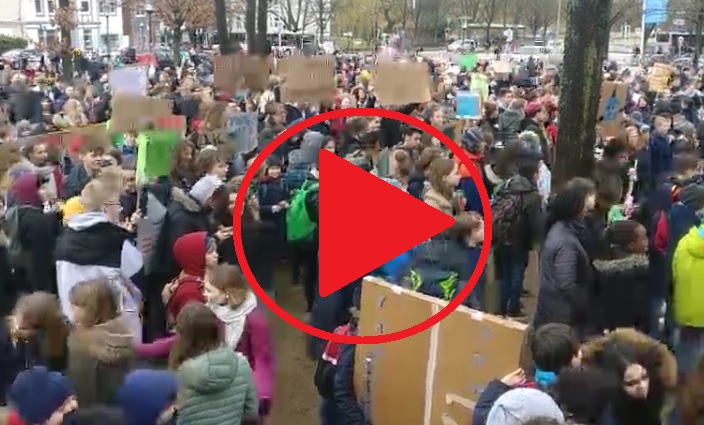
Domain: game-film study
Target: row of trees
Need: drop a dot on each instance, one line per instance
(428, 20)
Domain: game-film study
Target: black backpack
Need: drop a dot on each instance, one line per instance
(506, 215)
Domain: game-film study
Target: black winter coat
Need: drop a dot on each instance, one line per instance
(565, 277)
(184, 215)
(621, 298)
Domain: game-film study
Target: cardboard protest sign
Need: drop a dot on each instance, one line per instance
(502, 70)
(242, 126)
(611, 107)
(435, 379)
(222, 72)
(130, 80)
(469, 105)
(307, 79)
(254, 71)
(402, 83)
(233, 72)
(660, 77)
(134, 112)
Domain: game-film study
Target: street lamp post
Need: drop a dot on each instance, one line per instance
(42, 36)
(107, 30)
(149, 9)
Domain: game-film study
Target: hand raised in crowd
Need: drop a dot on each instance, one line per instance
(223, 233)
(131, 223)
(517, 377)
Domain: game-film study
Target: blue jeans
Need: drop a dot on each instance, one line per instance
(689, 349)
(512, 264)
(477, 298)
(662, 324)
(328, 412)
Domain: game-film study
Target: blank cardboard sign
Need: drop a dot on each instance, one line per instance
(134, 112)
(237, 71)
(307, 79)
(402, 83)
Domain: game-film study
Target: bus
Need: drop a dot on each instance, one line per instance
(668, 41)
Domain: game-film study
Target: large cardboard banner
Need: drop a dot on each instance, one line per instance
(435, 377)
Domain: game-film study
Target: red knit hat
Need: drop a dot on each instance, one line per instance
(533, 108)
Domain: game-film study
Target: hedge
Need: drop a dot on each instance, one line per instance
(10, 43)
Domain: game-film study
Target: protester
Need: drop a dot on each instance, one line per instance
(565, 269)
(217, 382)
(93, 247)
(100, 345)
(147, 206)
(246, 329)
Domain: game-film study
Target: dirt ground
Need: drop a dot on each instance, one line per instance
(295, 398)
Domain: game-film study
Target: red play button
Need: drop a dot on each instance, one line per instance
(366, 222)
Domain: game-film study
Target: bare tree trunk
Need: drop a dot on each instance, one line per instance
(66, 49)
(699, 25)
(176, 46)
(250, 24)
(263, 47)
(223, 28)
(404, 17)
(586, 43)
(321, 19)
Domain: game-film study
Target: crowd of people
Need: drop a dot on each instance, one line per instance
(92, 336)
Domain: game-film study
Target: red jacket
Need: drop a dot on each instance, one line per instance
(551, 131)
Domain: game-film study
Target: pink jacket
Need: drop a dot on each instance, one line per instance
(255, 344)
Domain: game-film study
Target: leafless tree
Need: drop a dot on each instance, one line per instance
(295, 15)
(322, 11)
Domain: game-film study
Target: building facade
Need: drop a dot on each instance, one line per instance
(11, 18)
(99, 24)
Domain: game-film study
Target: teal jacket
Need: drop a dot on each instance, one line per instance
(216, 388)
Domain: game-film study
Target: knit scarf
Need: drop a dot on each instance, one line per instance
(234, 318)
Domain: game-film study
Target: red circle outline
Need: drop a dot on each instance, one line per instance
(360, 339)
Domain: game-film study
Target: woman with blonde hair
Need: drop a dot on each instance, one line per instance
(443, 176)
(71, 115)
(100, 345)
(95, 246)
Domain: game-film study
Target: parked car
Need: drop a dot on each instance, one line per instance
(462, 46)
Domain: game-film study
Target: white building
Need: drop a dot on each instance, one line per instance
(11, 18)
(99, 23)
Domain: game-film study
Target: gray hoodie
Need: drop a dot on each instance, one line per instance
(510, 120)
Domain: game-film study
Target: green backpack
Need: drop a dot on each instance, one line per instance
(299, 226)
